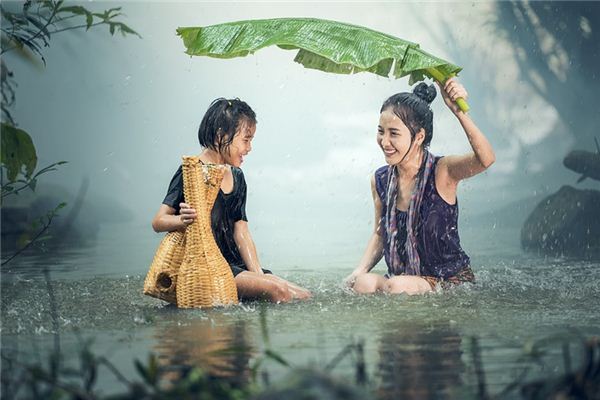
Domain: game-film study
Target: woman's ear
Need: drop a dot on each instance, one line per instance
(420, 136)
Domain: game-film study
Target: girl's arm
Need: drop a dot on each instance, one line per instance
(464, 166)
(245, 244)
(374, 250)
(165, 219)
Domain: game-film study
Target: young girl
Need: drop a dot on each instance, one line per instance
(226, 134)
(416, 210)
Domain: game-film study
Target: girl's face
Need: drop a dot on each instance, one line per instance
(241, 144)
(394, 137)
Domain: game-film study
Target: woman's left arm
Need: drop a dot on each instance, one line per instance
(245, 244)
(460, 167)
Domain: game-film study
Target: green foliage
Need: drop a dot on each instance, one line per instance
(27, 31)
(54, 379)
(556, 49)
(324, 45)
(17, 152)
(37, 234)
(32, 27)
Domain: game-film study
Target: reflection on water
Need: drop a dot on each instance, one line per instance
(219, 346)
(419, 361)
(414, 346)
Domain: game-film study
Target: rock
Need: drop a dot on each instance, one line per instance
(585, 163)
(566, 223)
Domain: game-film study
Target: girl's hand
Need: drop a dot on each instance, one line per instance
(451, 91)
(187, 214)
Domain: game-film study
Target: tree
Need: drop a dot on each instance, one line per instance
(558, 54)
(26, 31)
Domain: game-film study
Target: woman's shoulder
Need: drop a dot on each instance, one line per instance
(380, 177)
(381, 172)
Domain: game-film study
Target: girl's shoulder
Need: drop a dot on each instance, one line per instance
(238, 177)
(236, 171)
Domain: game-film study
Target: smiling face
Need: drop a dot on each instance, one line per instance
(394, 138)
(241, 145)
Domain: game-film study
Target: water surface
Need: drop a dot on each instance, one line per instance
(422, 346)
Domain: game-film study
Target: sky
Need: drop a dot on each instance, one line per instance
(122, 112)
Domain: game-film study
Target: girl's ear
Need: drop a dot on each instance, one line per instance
(218, 138)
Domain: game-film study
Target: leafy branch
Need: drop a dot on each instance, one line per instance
(45, 222)
(30, 29)
(26, 28)
(28, 182)
(33, 31)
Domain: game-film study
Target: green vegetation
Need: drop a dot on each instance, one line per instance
(327, 46)
(54, 379)
(27, 28)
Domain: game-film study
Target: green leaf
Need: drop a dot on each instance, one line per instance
(77, 10)
(112, 28)
(103, 16)
(110, 12)
(89, 20)
(38, 24)
(17, 152)
(125, 29)
(255, 368)
(23, 240)
(142, 370)
(152, 370)
(328, 46)
(277, 357)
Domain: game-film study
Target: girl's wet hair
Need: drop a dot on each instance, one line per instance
(413, 109)
(221, 122)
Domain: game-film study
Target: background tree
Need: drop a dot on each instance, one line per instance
(26, 29)
(558, 54)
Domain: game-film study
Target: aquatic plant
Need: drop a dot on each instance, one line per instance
(54, 379)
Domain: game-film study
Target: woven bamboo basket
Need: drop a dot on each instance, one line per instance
(204, 279)
(188, 268)
(161, 280)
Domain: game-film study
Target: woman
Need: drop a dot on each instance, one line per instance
(416, 209)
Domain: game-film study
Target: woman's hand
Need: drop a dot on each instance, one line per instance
(451, 91)
(187, 214)
(348, 281)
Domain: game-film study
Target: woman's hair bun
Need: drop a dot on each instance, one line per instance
(425, 92)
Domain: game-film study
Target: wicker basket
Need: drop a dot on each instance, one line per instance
(162, 277)
(189, 269)
(205, 279)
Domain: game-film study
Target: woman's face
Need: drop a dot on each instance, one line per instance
(241, 144)
(393, 137)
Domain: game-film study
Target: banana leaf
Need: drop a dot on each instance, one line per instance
(328, 46)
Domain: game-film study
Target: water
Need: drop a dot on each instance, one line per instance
(418, 347)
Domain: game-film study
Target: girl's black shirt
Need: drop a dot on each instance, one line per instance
(228, 209)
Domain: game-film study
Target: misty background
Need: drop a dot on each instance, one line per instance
(122, 112)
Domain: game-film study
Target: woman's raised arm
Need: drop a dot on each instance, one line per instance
(460, 167)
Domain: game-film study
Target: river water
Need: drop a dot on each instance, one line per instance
(440, 345)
